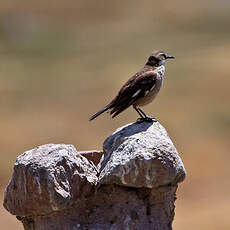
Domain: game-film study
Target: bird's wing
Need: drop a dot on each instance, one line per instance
(137, 87)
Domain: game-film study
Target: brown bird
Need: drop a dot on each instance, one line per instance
(140, 89)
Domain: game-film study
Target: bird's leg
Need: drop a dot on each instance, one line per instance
(140, 114)
(143, 116)
(146, 116)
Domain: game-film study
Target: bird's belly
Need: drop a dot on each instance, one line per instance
(149, 96)
(147, 99)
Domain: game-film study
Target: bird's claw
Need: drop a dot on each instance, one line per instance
(146, 119)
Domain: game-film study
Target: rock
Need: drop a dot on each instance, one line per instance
(47, 179)
(141, 155)
(133, 187)
(92, 155)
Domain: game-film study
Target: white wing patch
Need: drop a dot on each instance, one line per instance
(135, 94)
(152, 87)
(146, 92)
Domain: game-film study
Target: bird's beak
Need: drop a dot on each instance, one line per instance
(170, 57)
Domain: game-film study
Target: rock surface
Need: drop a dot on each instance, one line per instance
(141, 155)
(48, 178)
(133, 187)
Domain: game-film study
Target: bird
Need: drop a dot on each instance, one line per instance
(140, 89)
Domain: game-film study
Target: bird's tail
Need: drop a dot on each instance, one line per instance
(100, 112)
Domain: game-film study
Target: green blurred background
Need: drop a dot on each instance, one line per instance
(61, 61)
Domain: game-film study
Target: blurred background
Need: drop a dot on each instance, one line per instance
(61, 61)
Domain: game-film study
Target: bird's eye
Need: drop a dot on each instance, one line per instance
(164, 55)
(152, 58)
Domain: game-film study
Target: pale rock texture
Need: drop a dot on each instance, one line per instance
(54, 187)
(141, 155)
(48, 178)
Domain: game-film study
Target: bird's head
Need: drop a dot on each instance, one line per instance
(158, 58)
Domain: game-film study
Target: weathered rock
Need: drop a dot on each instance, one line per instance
(55, 187)
(141, 155)
(48, 178)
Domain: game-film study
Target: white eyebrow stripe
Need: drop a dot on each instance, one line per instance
(135, 94)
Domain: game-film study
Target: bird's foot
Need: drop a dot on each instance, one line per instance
(146, 119)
